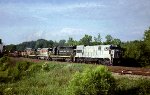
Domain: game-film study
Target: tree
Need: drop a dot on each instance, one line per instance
(41, 43)
(116, 41)
(97, 40)
(11, 48)
(147, 46)
(62, 42)
(56, 43)
(133, 50)
(134, 53)
(109, 39)
(70, 41)
(50, 43)
(20, 47)
(147, 38)
(86, 40)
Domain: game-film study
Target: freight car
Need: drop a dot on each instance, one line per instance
(29, 53)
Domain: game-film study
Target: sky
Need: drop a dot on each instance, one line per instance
(27, 20)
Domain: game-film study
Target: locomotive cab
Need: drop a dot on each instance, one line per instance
(115, 52)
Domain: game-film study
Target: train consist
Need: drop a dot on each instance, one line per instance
(101, 54)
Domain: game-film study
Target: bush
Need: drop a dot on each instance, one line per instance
(9, 91)
(4, 66)
(4, 59)
(34, 68)
(23, 65)
(98, 81)
(126, 86)
(14, 73)
(45, 67)
(4, 63)
(144, 87)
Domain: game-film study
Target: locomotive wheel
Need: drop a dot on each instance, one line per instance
(100, 61)
(50, 59)
(106, 62)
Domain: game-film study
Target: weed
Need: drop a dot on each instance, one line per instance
(45, 67)
(4, 59)
(92, 82)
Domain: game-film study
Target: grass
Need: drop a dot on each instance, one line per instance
(39, 81)
(52, 78)
(126, 86)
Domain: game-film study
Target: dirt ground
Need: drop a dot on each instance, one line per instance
(130, 70)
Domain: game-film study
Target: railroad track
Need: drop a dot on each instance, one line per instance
(129, 70)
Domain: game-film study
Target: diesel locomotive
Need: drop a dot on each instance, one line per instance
(101, 54)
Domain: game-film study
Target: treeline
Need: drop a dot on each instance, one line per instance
(42, 43)
(135, 53)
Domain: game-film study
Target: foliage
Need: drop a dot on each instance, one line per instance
(70, 41)
(86, 40)
(98, 81)
(147, 47)
(24, 45)
(136, 53)
(34, 81)
(126, 86)
(41, 43)
(34, 68)
(132, 49)
(51, 43)
(147, 38)
(97, 40)
(45, 67)
(109, 39)
(62, 42)
(42, 83)
(4, 63)
(116, 42)
(11, 48)
(11, 72)
(23, 65)
(4, 59)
